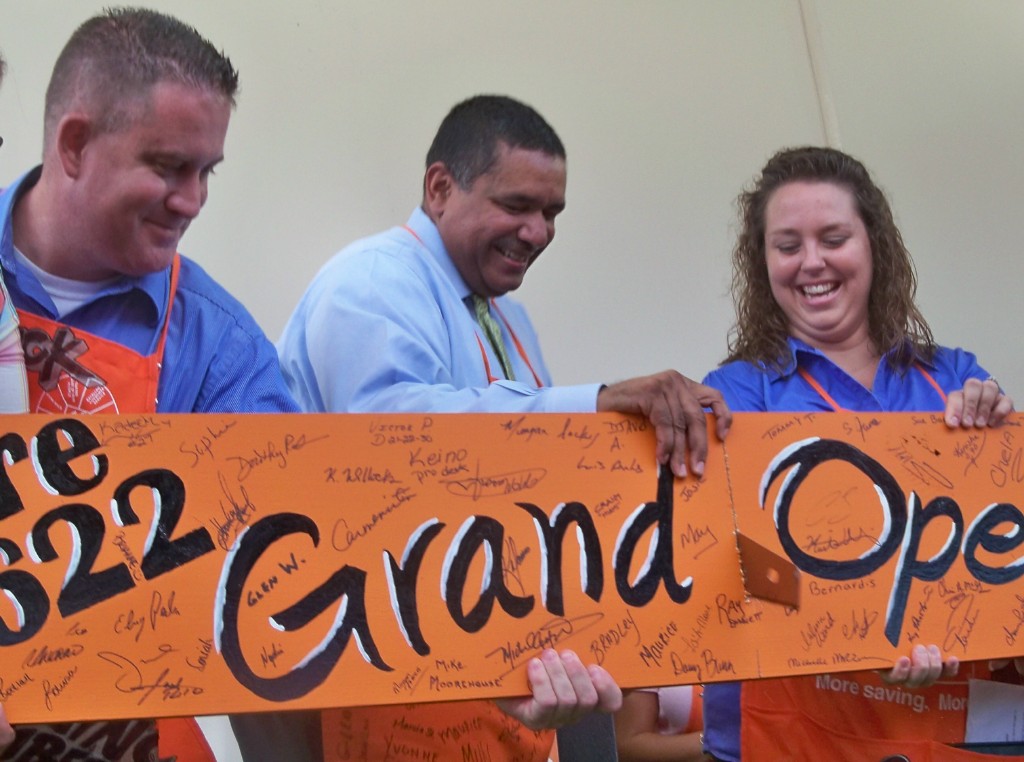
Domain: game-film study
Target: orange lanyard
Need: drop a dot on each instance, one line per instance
(491, 378)
(838, 408)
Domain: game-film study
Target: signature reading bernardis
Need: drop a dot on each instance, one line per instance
(271, 453)
(478, 486)
(548, 635)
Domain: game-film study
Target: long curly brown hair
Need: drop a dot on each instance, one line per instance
(761, 329)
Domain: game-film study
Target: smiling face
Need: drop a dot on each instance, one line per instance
(496, 229)
(138, 188)
(819, 263)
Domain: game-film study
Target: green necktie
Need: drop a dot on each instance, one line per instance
(493, 331)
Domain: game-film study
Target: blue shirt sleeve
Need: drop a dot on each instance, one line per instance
(742, 386)
(217, 359)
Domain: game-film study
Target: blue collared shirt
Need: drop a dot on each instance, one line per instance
(385, 327)
(216, 358)
(752, 388)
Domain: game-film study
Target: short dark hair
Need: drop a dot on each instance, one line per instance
(894, 321)
(467, 140)
(115, 58)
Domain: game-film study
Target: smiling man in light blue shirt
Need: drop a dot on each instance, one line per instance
(398, 322)
(388, 324)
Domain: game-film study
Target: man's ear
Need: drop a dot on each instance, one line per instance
(73, 134)
(438, 185)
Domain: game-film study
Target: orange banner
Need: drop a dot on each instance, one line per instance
(156, 565)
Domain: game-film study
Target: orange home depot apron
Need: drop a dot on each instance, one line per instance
(461, 730)
(856, 717)
(70, 372)
(182, 740)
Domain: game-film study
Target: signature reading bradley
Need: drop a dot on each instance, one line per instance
(617, 634)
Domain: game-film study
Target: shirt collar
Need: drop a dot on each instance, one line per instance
(153, 287)
(430, 236)
(798, 347)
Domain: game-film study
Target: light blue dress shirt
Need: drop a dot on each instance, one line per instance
(385, 327)
(750, 388)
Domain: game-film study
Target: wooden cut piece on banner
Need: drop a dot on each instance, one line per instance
(768, 575)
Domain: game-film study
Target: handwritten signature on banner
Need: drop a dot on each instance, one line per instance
(187, 564)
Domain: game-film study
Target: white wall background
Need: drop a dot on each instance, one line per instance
(666, 107)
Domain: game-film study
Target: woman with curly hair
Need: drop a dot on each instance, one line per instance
(824, 290)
